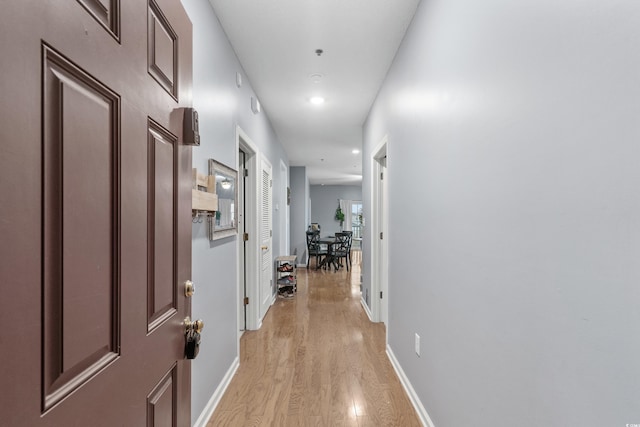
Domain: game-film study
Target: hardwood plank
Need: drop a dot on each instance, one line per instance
(316, 361)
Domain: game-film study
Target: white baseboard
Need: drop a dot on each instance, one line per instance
(217, 395)
(366, 309)
(415, 401)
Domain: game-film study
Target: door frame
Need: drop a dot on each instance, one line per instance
(251, 269)
(380, 247)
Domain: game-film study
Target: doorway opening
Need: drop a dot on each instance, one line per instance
(283, 210)
(380, 237)
(247, 233)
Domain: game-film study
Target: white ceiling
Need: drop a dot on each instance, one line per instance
(276, 40)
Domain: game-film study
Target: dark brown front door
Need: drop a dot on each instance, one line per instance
(95, 231)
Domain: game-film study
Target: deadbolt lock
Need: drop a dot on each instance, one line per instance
(189, 288)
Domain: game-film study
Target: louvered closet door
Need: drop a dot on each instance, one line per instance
(266, 253)
(94, 213)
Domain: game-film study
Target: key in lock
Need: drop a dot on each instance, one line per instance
(192, 337)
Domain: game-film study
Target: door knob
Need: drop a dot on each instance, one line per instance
(189, 288)
(195, 325)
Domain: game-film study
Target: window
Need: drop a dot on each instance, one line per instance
(356, 219)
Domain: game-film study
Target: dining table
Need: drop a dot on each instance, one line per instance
(330, 257)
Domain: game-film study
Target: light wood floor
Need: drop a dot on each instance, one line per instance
(316, 361)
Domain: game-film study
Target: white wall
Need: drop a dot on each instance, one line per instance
(299, 212)
(221, 106)
(324, 202)
(514, 147)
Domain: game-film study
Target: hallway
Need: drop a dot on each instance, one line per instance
(316, 361)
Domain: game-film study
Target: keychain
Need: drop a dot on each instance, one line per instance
(192, 344)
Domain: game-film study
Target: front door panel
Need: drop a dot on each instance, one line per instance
(80, 240)
(162, 402)
(94, 213)
(161, 252)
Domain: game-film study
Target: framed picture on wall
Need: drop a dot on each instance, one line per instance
(225, 221)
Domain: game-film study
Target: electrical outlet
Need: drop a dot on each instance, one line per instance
(418, 345)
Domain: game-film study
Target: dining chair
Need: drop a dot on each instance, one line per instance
(350, 234)
(342, 248)
(314, 248)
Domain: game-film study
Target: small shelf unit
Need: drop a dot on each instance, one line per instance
(286, 276)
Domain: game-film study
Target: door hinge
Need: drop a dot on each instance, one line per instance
(245, 237)
(380, 294)
(270, 233)
(246, 300)
(246, 172)
(381, 176)
(381, 235)
(270, 183)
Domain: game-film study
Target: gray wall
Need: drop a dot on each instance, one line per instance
(324, 202)
(221, 106)
(515, 210)
(299, 211)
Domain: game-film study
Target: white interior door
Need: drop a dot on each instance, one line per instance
(384, 254)
(266, 258)
(380, 237)
(242, 243)
(249, 221)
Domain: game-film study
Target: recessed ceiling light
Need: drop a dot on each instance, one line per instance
(317, 100)
(316, 77)
(355, 151)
